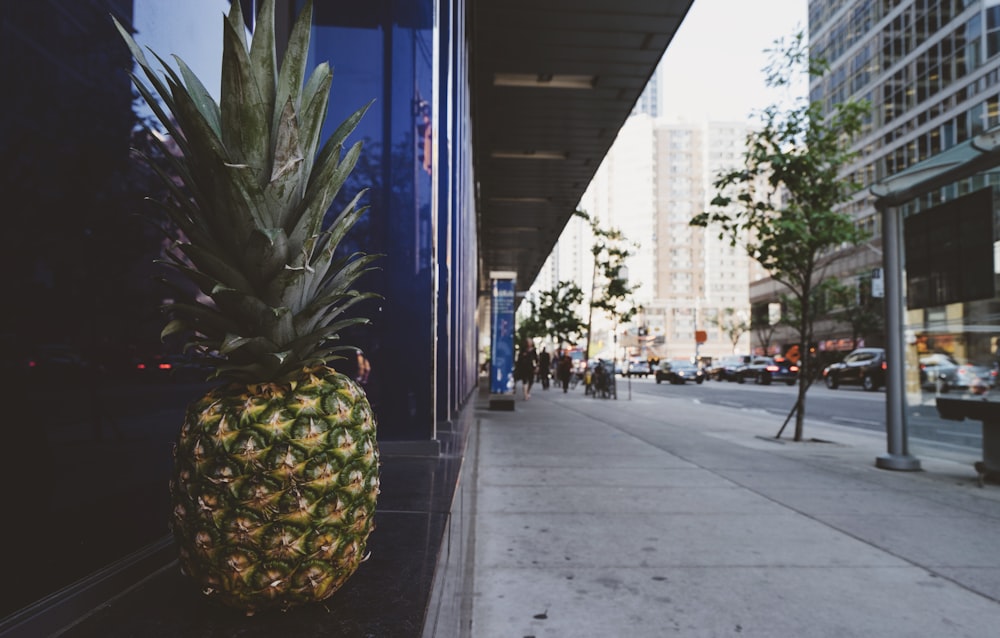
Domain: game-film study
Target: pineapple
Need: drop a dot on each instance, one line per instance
(276, 470)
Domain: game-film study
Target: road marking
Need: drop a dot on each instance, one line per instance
(962, 435)
(729, 404)
(847, 419)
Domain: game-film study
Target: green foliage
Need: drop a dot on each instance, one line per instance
(782, 204)
(255, 184)
(557, 310)
(610, 292)
(554, 315)
(529, 327)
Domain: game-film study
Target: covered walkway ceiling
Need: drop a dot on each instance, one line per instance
(552, 83)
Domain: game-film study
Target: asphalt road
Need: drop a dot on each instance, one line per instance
(847, 405)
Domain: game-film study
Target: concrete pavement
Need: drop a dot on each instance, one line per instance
(657, 516)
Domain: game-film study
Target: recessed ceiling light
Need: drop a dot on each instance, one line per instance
(501, 230)
(539, 155)
(545, 80)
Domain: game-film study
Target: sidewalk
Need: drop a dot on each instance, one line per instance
(656, 516)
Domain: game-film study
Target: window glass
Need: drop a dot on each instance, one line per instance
(100, 398)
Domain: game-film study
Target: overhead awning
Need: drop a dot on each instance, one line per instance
(552, 83)
(978, 154)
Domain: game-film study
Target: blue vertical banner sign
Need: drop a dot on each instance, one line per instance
(502, 341)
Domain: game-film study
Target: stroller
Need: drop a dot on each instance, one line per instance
(603, 381)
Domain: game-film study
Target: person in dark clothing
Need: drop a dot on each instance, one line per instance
(564, 368)
(544, 365)
(524, 369)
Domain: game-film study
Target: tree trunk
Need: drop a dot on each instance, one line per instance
(801, 404)
(805, 367)
(590, 312)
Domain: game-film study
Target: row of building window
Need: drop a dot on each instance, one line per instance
(887, 155)
(953, 57)
(907, 31)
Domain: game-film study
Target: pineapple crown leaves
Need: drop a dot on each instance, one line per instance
(255, 186)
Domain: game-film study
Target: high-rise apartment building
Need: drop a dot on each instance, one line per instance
(701, 281)
(656, 177)
(649, 101)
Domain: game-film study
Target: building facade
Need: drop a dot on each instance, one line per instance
(701, 280)
(656, 177)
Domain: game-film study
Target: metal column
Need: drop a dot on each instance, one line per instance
(897, 457)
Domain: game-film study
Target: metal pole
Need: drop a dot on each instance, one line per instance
(625, 351)
(898, 457)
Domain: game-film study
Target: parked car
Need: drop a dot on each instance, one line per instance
(637, 368)
(764, 370)
(970, 376)
(679, 372)
(725, 368)
(936, 370)
(864, 367)
(941, 373)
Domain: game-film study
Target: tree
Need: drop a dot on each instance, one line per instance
(610, 291)
(530, 326)
(557, 311)
(553, 315)
(783, 204)
(733, 324)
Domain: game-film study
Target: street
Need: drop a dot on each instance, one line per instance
(847, 405)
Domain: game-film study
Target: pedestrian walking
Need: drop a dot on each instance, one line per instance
(525, 367)
(544, 367)
(564, 368)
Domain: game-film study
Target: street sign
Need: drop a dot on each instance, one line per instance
(878, 283)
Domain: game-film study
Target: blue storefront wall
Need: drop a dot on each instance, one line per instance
(458, 333)
(409, 57)
(82, 353)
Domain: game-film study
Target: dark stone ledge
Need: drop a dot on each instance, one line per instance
(146, 596)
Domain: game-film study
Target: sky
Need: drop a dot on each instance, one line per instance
(712, 68)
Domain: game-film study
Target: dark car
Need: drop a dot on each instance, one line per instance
(678, 372)
(864, 367)
(725, 368)
(764, 370)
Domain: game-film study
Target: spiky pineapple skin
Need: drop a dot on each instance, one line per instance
(274, 489)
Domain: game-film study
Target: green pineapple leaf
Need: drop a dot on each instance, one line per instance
(251, 183)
